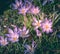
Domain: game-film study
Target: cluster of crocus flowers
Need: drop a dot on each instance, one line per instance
(30, 49)
(3, 41)
(21, 7)
(25, 7)
(13, 35)
(45, 25)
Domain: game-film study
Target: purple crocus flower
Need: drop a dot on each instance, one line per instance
(47, 26)
(34, 10)
(28, 5)
(38, 33)
(36, 23)
(3, 41)
(17, 4)
(30, 49)
(13, 35)
(24, 32)
(25, 8)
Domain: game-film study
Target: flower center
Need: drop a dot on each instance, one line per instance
(38, 24)
(23, 10)
(3, 42)
(46, 26)
(14, 38)
(23, 33)
(35, 10)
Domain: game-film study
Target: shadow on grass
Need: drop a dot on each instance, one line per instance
(5, 5)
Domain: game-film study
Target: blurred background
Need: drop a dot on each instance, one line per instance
(5, 5)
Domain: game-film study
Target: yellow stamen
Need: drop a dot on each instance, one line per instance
(38, 24)
(3, 42)
(46, 26)
(14, 38)
(23, 10)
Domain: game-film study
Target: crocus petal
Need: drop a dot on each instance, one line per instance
(14, 6)
(7, 35)
(35, 20)
(38, 33)
(33, 44)
(15, 29)
(34, 24)
(51, 30)
(27, 47)
(27, 31)
(40, 21)
(17, 2)
(27, 35)
(24, 28)
(1, 37)
(10, 30)
(36, 28)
